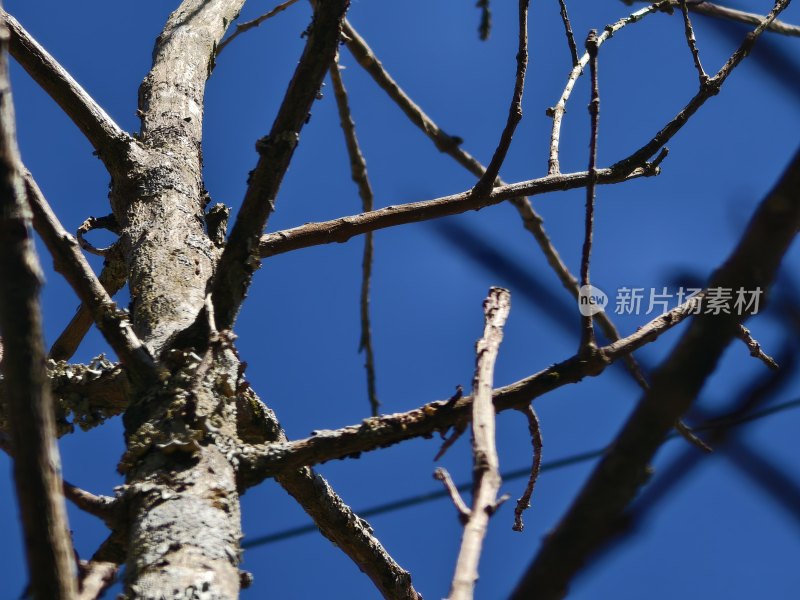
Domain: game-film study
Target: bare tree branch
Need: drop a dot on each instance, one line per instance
(259, 461)
(710, 9)
(588, 343)
(708, 89)
(524, 502)
(335, 520)
(240, 257)
(487, 180)
(30, 408)
(107, 138)
(247, 25)
(358, 172)
(486, 465)
(557, 111)
(344, 228)
(623, 470)
(449, 145)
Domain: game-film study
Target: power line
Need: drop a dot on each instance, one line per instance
(553, 465)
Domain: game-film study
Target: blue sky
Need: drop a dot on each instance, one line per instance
(716, 534)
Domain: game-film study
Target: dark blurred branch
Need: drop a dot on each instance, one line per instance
(624, 468)
(37, 474)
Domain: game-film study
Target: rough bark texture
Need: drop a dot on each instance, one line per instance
(184, 512)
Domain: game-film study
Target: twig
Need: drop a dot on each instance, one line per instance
(108, 222)
(524, 502)
(111, 321)
(623, 470)
(690, 39)
(239, 261)
(485, 27)
(710, 88)
(710, 9)
(107, 138)
(587, 343)
(442, 475)
(344, 228)
(486, 466)
(487, 180)
(743, 333)
(358, 172)
(557, 111)
(258, 462)
(29, 404)
(95, 578)
(449, 145)
(112, 277)
(247, 25)
(573, 48)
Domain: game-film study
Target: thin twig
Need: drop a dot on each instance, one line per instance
(710, 88)
(485, 27)
(524, 502)
(557, 111)
(488, 179)
(442, 475)
(112, 277)
(690, 39)
(358, 172)
(755, 348)
(486, 465)
(587, 343)
(68, 260)
(710, 9)
(573, 48)
(247, 25)
(29, 404)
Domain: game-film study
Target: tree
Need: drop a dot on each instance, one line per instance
(196, 433)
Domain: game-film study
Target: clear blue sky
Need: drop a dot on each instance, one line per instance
(715, 535)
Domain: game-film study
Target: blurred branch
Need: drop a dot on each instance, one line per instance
(37, 476)
(624, 469)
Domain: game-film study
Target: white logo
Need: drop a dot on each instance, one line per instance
(591, 300)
